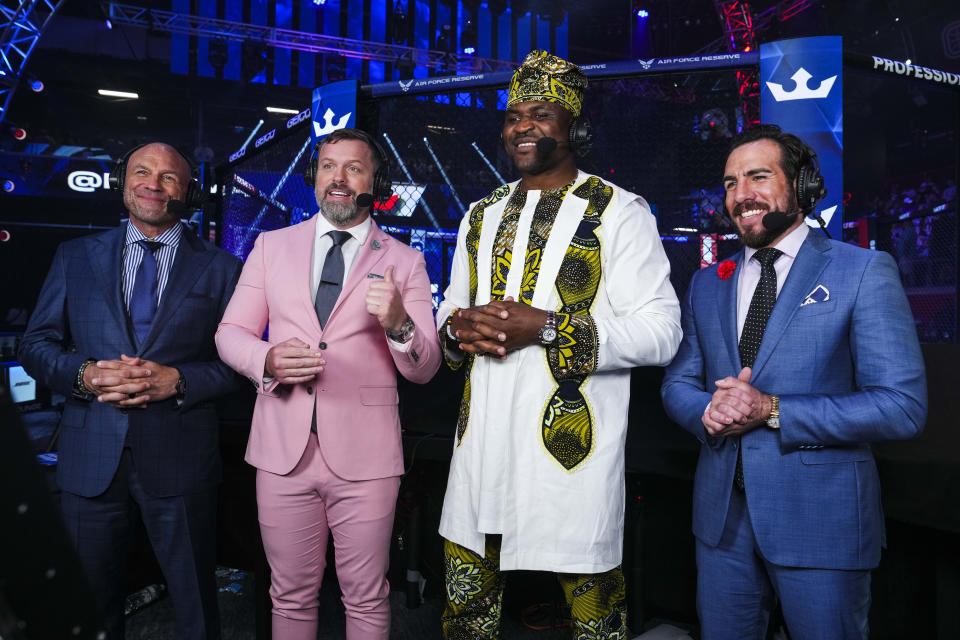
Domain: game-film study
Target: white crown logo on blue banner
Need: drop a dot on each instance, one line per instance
(328, 126)
(826, 214)
(803, 91)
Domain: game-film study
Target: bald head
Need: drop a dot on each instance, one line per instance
(156, 173)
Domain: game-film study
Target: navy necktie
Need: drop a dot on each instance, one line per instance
(331, 278)
(761, 305)
(143, 301)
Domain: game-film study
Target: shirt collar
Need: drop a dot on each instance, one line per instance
(789, 245)
(169, 237)
(359, 231)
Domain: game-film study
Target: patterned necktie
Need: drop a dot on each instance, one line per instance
(761, 305)
(143, 300)
(331, 278)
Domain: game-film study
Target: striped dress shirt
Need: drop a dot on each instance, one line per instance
(133, 256)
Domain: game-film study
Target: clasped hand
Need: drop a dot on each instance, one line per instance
(497, 327)
(130, 382)
(736, 407)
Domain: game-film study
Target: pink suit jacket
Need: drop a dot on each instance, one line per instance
(356, 394)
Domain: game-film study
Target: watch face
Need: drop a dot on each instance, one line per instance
(548, 335)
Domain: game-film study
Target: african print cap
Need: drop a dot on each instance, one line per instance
(545, 77)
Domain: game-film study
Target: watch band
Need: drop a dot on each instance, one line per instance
(548, 333)
(181, 387)
(80, 390)
(405, 332)
(773, 421)
(448, 325)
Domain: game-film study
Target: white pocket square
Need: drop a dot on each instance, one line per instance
(819, 294)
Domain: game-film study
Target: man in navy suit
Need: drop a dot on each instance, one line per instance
(124, 328)
(786, 496)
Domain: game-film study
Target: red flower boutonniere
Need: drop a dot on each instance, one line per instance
(726, 269)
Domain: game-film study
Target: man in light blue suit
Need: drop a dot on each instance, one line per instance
(124, 328)
(786, 496)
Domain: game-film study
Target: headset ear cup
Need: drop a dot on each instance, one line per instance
(310, 171)
(580, 136)
(382, 189)
(194, 197)
(119, 174)
(802, 192)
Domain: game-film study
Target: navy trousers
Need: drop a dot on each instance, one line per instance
(182, 532)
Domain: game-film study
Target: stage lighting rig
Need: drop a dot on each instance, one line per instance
(399, 22)
(468, 37)
(444, 39)
(217, 54)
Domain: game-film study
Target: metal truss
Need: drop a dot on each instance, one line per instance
(173, 22)
(780, 12)
(740, 35)
(23, 24)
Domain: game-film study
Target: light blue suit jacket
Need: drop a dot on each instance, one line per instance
(848, 371)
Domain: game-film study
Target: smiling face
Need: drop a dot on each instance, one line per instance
(156, 174)
(526, 123)
(755, 184)
(345, 168)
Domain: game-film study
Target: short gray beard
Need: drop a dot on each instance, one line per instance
(339, 214)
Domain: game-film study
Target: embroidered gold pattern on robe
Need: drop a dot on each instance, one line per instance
(567, 426)
(472, 241)
(567, 421)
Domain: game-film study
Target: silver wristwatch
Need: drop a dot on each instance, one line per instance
(548, 333)
(405, 332)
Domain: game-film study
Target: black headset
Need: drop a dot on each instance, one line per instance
(194, 196)
(579, 135)
(382, 188)
(810, 184)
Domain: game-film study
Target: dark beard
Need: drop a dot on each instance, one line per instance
(759, 239)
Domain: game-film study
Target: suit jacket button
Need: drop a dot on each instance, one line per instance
(322, 345)
(310, 390)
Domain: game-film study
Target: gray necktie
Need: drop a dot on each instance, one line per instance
(761, 305)
(331, 278)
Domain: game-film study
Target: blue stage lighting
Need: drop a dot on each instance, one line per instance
(319, 3)
(643, 13)
(36, 85)
(109, 24)
(470, 50)
(9, 185)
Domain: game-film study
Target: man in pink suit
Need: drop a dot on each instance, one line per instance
(347, 306)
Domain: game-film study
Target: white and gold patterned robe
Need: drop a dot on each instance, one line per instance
(538, 455)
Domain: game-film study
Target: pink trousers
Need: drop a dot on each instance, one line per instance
(297, 512)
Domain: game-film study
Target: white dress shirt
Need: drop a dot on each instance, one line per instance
(750, 273)
(322, 243)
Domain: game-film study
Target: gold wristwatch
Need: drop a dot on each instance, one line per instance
(774, 420)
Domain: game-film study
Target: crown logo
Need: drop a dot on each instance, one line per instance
(826, 214)
(405, 85)
(802, 91)
(328, 126)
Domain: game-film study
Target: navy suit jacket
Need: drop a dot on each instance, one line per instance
(848, 370)
(80, 314)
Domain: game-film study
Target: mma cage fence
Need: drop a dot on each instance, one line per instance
(663, 135)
